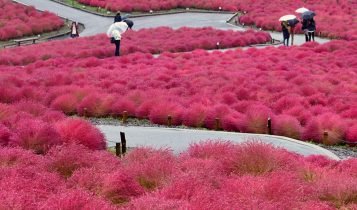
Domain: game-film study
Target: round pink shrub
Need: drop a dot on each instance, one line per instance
(351, 135)
(341, 193)
(75, 199)
(78, 131)
(119, 187)
(24, 188)
(53, 116)
(66, 159)
(32, 107)
(150, 167)
(159, 113)
(330, 123)
(233, 122)
(257, 119)
(348, 166)
(195, 115)
(93, 105)
(35, 135)
(217, 150)
(219, 111)
(66, 103)
(152, 202)
(285, 125)
(20, 158)
(5, 135)
(90, 179)
(121, 105)
(257, 158)
(5, 111)
(320, 161)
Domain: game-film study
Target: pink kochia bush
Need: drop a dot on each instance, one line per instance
(248, 175)
(33, 126)
(78, 131)
(301, 89)
(261, 13)
(17, 20)
(153, 41)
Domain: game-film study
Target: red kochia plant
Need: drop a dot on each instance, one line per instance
(257, 118)
(19, 20)
(119, 187)
(5, 135)
(75, 199)
(157, 202)
(351, 135)
(66, 159)
(257, 158)
(285, 125)
(35, 135)
(154, 41)
(332, 124)
(79, 131)
(150, 167)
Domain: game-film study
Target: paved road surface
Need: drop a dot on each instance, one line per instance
(96, 24)
(179, 139)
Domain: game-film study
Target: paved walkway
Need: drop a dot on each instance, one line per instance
(177, 139)
(97, 24)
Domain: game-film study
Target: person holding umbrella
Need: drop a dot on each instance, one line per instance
(115, 32)
(286, 32)
(308, 25)
(292, 23)
(285, 27)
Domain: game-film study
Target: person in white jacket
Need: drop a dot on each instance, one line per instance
(115, 32)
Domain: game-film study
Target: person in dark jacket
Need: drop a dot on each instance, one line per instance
(286, 32)
(311, 28)
(304, 28)
(117, 18)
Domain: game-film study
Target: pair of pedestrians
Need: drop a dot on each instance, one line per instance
(288, 29)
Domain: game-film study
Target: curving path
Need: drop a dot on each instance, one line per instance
(177, 139)
(97, 24)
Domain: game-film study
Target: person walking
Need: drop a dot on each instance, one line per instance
(74, 30)
(115, 32)
(286, 32)
(311, 28)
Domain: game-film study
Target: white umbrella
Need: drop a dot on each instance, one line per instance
(287, 17)
(301, 10)
(118, 27)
